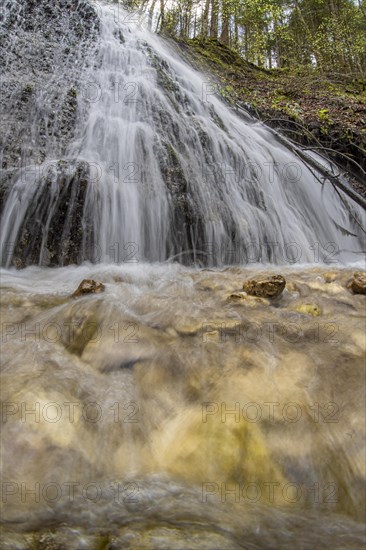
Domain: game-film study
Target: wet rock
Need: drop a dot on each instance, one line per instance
(246, 299)
(88, 286)
(213, 283)
(292, 287)
(48, 542)
(35, 60)
(82, 320)
(58, 204)
(270, 287)
(332, 288)
(309, 309)
(188, 326)
(108, 356)
(358, 283)
(46, 47)
(329, 277)
(238, 295)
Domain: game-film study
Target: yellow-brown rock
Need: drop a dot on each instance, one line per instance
(329, 277)
(88, 286)
(309, 309)
(358, 283)
(271, 287)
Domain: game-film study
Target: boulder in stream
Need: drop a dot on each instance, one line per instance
(270, 287)
(88, 286)
(358, 283)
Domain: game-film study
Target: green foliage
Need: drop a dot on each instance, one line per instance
(228, 93)
(328, 35)
(323, 115)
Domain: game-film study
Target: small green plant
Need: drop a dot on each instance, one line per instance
(323, 114)
(276, 102)
(278, 98)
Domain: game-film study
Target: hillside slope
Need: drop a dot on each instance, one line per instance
(313, 109)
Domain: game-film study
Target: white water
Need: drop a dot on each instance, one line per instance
(174, 170)
(159, 344)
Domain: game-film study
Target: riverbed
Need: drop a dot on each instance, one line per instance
(173, 411)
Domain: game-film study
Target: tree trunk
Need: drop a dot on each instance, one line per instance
(205, 19)
(162, 15)
(151, 14)
(225, 22)
(214, 19)
(236, 31)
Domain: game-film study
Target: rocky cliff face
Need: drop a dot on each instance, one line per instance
(39, 110)
(37, 37)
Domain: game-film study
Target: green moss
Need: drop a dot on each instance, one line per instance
(306, 104)
(28, 89)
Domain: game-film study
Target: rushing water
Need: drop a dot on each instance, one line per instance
(132, 439)
(163, 413)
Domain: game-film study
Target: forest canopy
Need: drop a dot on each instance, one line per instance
(329, 35)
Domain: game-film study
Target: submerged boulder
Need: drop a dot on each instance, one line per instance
(329, 277)
(309, 309)
(201, 448)
(271, 287)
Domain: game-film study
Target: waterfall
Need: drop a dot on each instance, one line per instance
(159, 167)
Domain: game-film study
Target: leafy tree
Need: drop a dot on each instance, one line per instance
(325, 34)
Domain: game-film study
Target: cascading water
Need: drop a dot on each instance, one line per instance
(170, 171)
(170, 411)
